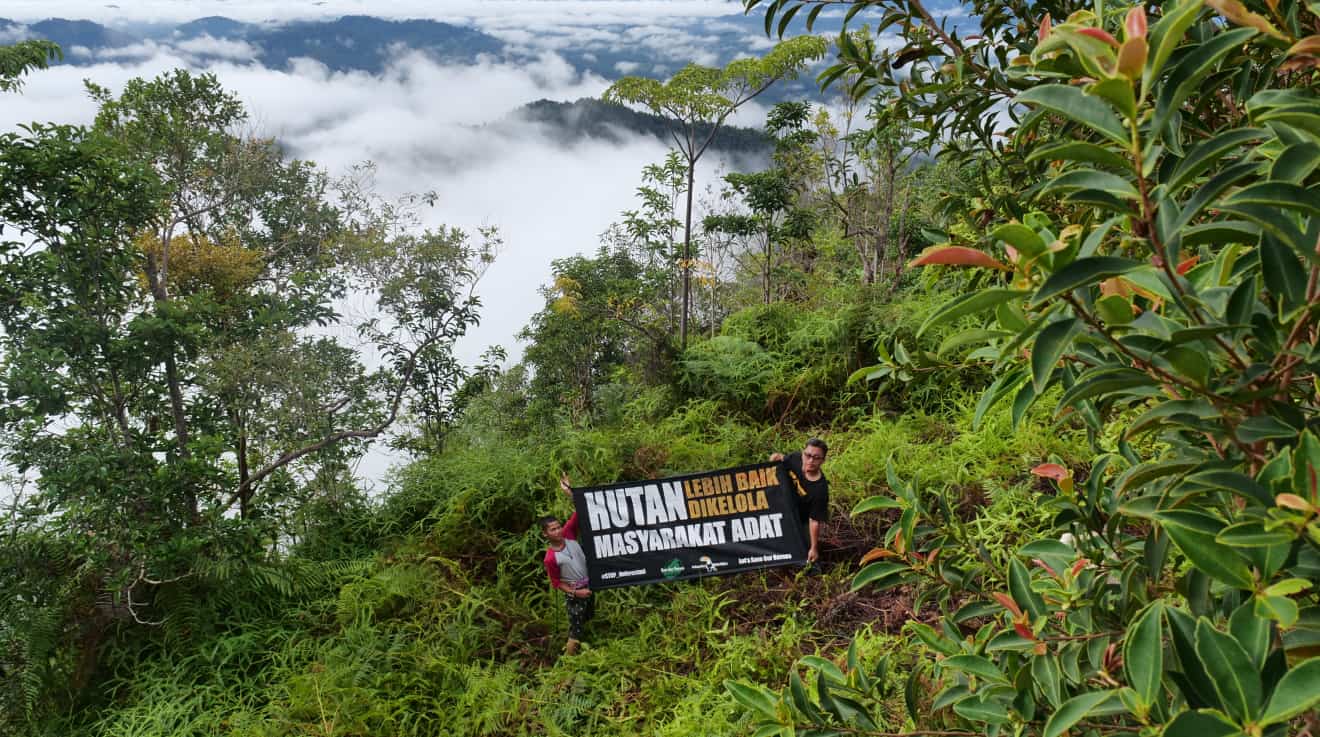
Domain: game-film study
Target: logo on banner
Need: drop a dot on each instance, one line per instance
(708, 565)
(672, 568)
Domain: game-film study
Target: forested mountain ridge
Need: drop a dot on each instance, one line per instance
(1066, 370)
(369, 44)
(590, 118)
(352, 42)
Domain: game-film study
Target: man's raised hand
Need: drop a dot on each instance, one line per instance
(565, 486)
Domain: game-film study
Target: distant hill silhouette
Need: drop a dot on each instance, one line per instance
(590, 118)
(353, 42)
(369, 44)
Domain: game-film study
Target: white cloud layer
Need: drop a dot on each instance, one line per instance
(427, 127)
(14, 33)
(507, 12)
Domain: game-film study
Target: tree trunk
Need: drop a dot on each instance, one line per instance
(244, 499)
(157, 273)
(902, 240)
(687, 256)
(888, 220)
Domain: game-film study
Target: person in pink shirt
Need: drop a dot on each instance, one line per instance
(566, 565)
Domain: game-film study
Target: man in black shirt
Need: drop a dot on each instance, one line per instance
(807, 484)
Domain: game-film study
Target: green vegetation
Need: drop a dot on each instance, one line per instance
(1073, 457)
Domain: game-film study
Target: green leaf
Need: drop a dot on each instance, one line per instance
(1208, 153)
(1251, 534)
(1251, 632)
(1220, 232)
(1117, 91)
(1201, 724)
(1194, 67)
(1082, 272)
(1114, 309)
(1089, 153)
(912, 693)
(1019, 586)
(950, 696)
(1026, 396)
(851, 712)
(1078, 106)
(879, 501)
(1306, 466)
(1206, 194)
(1048, 676)
(969, 304)
(1104, 380)
(757, 698)
(1073, 711)
(1281, 609)
(1297, 691)
(801, 700)
(1143, 653)
(975, 335)
(1284, 275)
(1301, 118)
(1049, 348)
(1165, 36)
(1296, 162)
(1002, 387)
(1194, 534)
(879, 574)
(1009, 640)
(1283, 228)
(1263, 427)
(826, 667)
(1288, 587)
(1142, 474)
(990, 711)
(1279, 195)
(1234, 676)
(977, 666)
(1019, 236)
(1090, 179)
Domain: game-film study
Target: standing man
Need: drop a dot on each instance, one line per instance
(807, 484)
(566, 565)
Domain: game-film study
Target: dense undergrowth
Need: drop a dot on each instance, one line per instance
(1127, 356)
(441, 622)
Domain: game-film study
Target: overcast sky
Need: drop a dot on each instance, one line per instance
(504, 12)
(420, 122)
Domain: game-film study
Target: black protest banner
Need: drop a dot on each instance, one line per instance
(701, 524)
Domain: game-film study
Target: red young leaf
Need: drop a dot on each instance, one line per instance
(1187, 264)
(1046, 566)
(1052, 471)
(1024, 630)
(1008, 603)
(1045, 26)
(873, 554)
(1099, 34)
(1292, 501)
(1135, 23)
(957, 256)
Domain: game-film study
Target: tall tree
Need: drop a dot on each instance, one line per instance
(697, 100)
(172, 354)
(23, 57)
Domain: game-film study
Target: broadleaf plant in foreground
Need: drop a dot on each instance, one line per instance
(1164, 258)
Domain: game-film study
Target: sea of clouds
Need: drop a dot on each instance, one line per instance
(426, 126)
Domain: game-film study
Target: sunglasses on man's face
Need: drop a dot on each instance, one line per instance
(814, 456)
